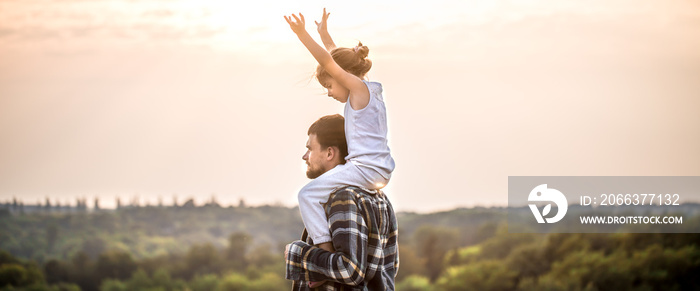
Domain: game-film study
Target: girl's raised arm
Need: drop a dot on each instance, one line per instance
(359, 94)
(322, 28)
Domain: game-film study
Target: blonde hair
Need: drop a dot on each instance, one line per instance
(352, 60)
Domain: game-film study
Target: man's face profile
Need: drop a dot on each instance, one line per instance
(314, 158)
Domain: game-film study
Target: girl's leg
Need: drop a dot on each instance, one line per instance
(373, 179)
(315, 193)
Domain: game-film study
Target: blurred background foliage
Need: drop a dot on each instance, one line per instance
(240, 248)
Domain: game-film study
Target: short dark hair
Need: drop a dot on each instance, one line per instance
(330, 132)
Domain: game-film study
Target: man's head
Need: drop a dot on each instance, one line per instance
(326, 146)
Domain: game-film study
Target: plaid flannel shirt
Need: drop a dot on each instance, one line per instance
(364, 233)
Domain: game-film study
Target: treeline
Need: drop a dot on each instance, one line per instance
(239, 266)
(240, 248)
(81, 205)
(508, 261)
(144, 231)
(471, 249)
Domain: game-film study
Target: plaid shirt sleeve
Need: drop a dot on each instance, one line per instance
(360, 252)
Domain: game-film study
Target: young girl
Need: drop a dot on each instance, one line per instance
(369, 162)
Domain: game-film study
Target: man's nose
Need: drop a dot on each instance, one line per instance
(305, 156)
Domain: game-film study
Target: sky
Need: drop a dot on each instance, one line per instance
(199, 99)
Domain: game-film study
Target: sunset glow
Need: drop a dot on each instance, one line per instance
(157, 98)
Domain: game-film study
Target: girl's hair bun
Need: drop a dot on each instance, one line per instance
(361, 50)
(352, 60)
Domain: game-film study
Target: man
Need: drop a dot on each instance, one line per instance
(362, 224)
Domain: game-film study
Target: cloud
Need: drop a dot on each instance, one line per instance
(159, 13)
(82, 24)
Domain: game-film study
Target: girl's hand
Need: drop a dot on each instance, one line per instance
(296, 24)
(321, 27)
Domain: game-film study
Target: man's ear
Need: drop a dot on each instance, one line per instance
(331, 152)
(334, 155)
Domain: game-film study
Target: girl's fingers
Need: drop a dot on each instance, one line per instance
(289, 20)
(298, 21)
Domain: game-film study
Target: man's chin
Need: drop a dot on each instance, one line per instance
(313, 174)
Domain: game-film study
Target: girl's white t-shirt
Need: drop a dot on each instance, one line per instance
(366, 133)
